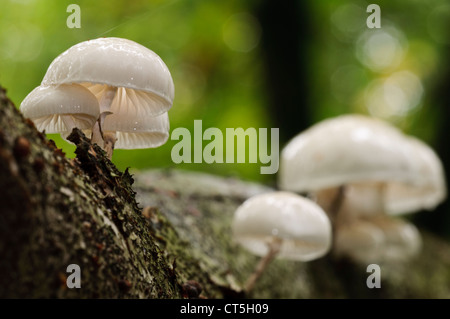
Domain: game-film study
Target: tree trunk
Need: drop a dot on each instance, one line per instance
(56, 212)
(176, 243)
(286, 33)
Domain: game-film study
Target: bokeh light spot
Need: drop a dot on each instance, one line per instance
(242, 32)
(190, 82)
(381, 50)
(394, 96)
(24, 43)
(347, 21)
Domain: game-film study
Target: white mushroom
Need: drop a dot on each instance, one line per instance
(360, 168)
(58, 109)
(126, 77)
(346, 150)
(283, 225)
(380, 168)
(377, 240)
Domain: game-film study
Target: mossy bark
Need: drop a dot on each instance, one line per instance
(200, 208)
(175, 243)
(55, 212)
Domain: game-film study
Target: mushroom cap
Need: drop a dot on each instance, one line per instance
(429, 188)
(133, 132)
(402, 239)
(377, 239)
(343, 150)
(426, 190)
(359, 240)
(302, 225)
(121, 63)
(55, 108)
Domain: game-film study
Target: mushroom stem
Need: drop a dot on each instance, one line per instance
(110, 139)
(97, 131)
(364, 200)
(274, 248)
(97, 136)
(352, 201)
(336, 203)
(331, 200)
(335, 207)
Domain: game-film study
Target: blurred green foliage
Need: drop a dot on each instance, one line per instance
(213, 81)
(392, 72)
(213, 51)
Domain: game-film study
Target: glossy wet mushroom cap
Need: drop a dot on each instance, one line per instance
(143, 81)
(302, 226)
(344, 150)
(380, 169)
(58, 109)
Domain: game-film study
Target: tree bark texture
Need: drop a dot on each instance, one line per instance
(167, 235)
(56, 212)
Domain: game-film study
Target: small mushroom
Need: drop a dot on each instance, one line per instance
(126, 78)
(59, 109)
(360, 241)
(283, 225)
(377, 240)
(402, 240)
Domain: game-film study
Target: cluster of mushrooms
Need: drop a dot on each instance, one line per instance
(113, 89)
(359, 174)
